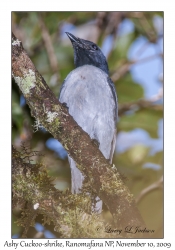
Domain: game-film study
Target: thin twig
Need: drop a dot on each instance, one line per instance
(145, 191)
(48, 45)
(140, 104)
(124, 68)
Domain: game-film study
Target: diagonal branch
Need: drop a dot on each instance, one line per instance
(141, 104)
(48, 111)
(153, 186)
(48, 45)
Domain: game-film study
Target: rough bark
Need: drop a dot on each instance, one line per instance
(105, 180)
(34, 193)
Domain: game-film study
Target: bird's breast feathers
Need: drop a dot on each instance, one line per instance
(89, 85)
(90, 100)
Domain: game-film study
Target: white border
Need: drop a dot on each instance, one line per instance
(5, 97)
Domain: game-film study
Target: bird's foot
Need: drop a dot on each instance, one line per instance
(96, 142)
(64, 104)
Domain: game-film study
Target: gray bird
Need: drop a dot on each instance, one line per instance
(91, 98)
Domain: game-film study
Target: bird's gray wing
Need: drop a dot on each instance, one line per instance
(113, 143)
(111, 84)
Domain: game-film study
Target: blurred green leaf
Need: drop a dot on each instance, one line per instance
(146, 119)
(15, 229)
(128, 90)
(137, 153)
(119, 54)
(153, 213)
(156, 158)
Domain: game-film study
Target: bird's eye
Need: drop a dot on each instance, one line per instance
(94, 47)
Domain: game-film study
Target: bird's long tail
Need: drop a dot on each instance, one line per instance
(77, 182)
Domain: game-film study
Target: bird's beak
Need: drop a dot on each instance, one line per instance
(72, 37)
(76, 42)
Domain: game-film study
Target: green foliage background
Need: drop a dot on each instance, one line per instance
(26, 26)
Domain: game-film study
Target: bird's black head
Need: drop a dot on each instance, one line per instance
(86, 52)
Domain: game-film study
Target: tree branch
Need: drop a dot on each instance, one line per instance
(141, 104)
(125, 67)
(153, 186)
(34, 193)
(104, 179)
(48, 44)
